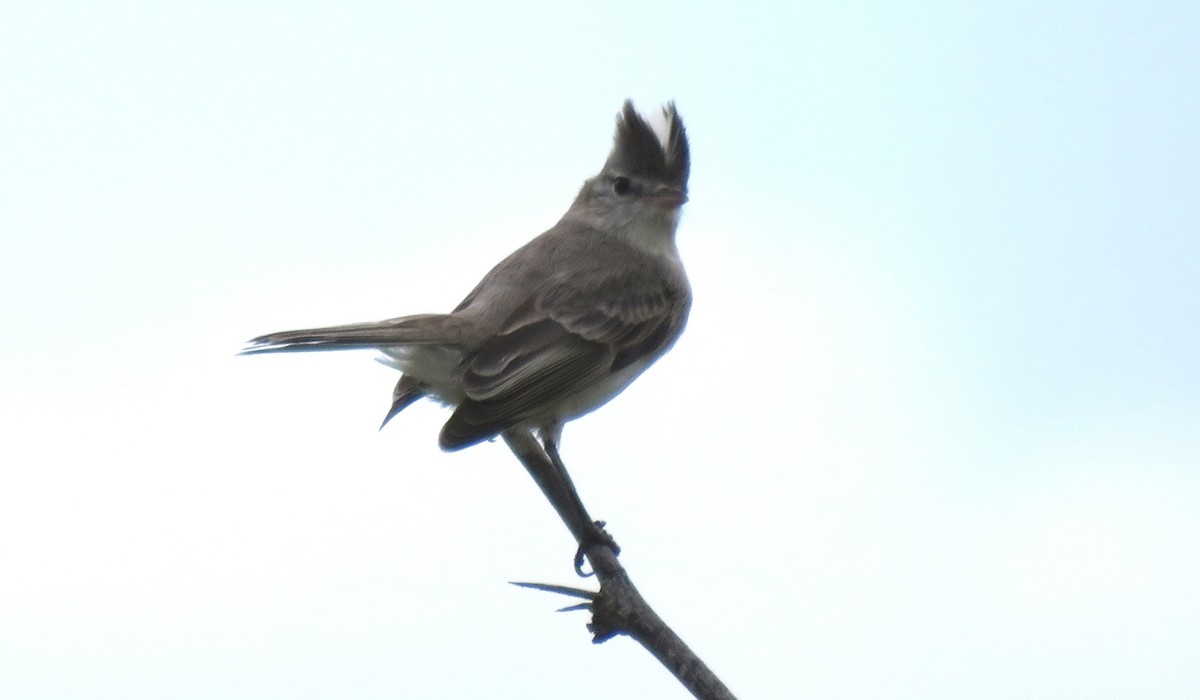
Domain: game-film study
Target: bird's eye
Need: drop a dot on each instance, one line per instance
(621, 185)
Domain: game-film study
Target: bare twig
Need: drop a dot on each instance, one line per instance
(617, 608)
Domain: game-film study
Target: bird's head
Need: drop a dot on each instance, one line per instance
(644, 181)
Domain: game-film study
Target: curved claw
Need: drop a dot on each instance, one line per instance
(579, 563)
(599, 536)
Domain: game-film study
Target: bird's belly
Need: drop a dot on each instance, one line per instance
(596, 395)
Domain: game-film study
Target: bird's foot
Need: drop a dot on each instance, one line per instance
(598, 536)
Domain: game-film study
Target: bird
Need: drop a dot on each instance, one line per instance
(560, 326)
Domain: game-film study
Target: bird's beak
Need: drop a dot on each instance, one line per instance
(667, 197)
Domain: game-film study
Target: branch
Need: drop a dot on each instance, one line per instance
(618, 607)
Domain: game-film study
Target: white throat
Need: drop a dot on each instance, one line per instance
(652, 231)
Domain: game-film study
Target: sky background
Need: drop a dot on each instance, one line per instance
(933, 430)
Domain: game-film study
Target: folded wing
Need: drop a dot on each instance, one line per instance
(557, 345)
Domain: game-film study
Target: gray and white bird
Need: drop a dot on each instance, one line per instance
(560, 326)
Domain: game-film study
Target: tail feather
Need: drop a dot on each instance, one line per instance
(423, 329)
(408, 390)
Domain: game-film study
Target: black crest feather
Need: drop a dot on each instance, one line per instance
(637, 150)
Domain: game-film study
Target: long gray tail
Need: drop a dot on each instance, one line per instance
(423, 329)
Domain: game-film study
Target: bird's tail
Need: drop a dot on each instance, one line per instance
(423, 329)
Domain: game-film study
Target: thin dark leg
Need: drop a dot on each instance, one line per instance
(596, 533)
(546, 467)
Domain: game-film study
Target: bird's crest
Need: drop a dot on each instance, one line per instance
(638, 149)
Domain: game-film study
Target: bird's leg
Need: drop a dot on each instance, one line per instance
(552, 478)
(596, 534)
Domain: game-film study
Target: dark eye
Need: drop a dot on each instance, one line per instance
(622, 185)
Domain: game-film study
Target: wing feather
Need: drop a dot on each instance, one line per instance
(558, 344)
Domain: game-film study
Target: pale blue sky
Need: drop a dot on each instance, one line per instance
(933, 431)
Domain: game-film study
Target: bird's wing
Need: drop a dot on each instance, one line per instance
(559, 343)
